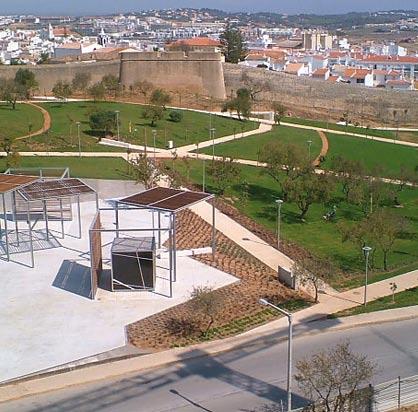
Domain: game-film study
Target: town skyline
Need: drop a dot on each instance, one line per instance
(78, 7)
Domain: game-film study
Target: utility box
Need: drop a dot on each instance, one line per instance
(133, 264)
(287, 278)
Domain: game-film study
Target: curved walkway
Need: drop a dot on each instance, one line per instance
(324, 149)
(47, 122)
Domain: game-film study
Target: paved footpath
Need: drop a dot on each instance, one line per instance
(329, 302)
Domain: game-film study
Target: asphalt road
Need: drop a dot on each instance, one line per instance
(245, 379)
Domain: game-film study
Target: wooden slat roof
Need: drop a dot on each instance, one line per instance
(165, 199)
(9, 183)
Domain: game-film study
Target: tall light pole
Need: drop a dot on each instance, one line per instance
(154, 135)
(309, 148)
(279, 203)
(117, 123)
(79, 139)
(204, 174)
(212, 132)
(366, 250)
(264, 302)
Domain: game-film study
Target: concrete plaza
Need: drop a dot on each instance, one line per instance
(46, 317)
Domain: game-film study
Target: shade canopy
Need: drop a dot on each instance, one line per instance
(54, 189)
(9, 183)
(165, 199)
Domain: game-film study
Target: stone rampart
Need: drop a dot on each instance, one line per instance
(48, 74)
(196, 72)
(324, 99)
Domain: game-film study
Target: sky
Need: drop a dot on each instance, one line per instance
(80, 7)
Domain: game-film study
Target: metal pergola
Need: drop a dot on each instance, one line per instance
(162, 201)
(32, 189)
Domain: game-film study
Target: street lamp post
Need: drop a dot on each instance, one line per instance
(154, 135)
(366, 250)
(289, 316)
(279, 203)
(309, 148)
(117, 123)
(212, 131)
(204, 175)
(79, 139)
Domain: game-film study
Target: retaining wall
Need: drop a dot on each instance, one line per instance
(307, 96)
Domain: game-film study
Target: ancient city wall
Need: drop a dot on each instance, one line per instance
(48, 74)
(306, 96)
(195, 72)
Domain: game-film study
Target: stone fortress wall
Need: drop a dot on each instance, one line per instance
(324, 99)
(48, 74)
(205, 74)
(194, 72)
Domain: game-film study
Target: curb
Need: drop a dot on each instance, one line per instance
(114, 368)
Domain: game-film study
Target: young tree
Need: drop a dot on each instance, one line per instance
(145, 171)
(97, 91)
(334, 379)
(314, 272)
(62, 90)
(241, 104)
(44, 58)
(278, 112)
(306, 189)
(111, 85)
(281, 157)
(160, 98)
(225, 173)
(143, 87)
(26, 81)
(103, 121)
(81, 81)
(233, 45)
(350, 173)
(10, 92)
(385, 227)
(6, 144)
(153, 113)
(207, 303)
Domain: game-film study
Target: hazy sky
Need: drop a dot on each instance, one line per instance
(286, 6)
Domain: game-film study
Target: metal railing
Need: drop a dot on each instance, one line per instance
(385, 397)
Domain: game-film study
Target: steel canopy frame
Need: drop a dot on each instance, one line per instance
(36, 194)
(175, 200)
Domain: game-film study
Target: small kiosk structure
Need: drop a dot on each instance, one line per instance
(133, 258)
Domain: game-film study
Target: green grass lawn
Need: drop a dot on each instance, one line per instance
(250, 147)
(133, 127)
(403, 299)
(88, 167)
(333, 126)
(318, 236)
(19, 122)
(385, 158)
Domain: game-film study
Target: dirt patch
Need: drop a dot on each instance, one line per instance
(240, 300)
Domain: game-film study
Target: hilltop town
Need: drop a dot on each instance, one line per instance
(377, 50)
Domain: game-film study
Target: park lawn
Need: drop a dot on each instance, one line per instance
(384, 159)
(23, 120)
(194, 127)
(249, 147)
(403, 299)
(389, 134)
(319, 237)
(87, 167)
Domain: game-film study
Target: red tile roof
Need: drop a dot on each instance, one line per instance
(197, 42)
